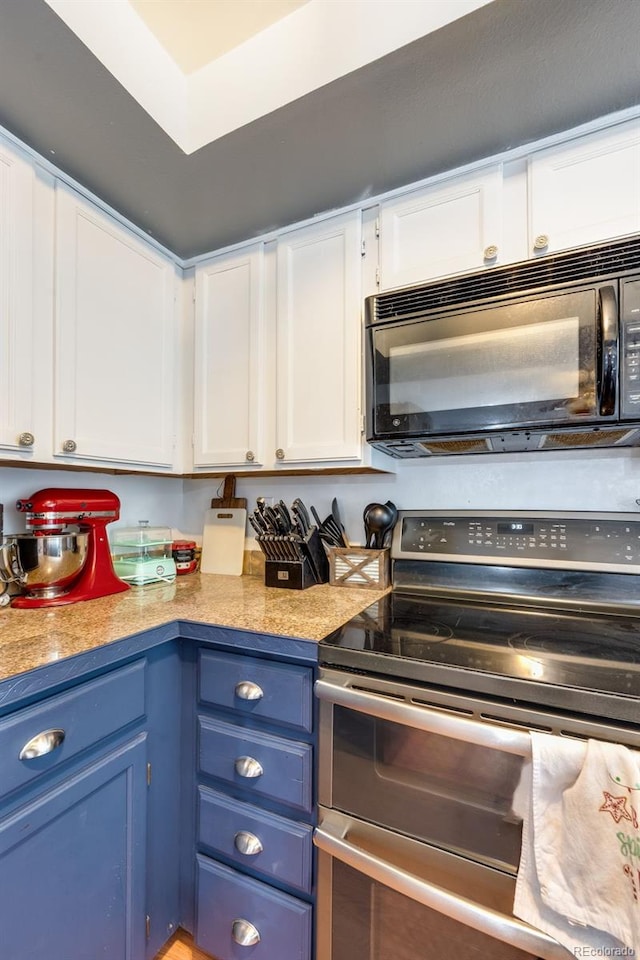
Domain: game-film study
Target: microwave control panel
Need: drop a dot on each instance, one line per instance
(576, 542)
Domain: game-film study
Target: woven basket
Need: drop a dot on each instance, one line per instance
(358, 567)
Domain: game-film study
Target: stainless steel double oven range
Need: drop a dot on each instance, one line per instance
(497, 624)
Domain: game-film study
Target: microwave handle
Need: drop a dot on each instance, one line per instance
(609, 350)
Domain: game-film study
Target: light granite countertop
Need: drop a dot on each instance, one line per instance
(35, 638)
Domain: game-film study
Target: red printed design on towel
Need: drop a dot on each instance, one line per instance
(630, 872)
(617, 807)
(629, 845)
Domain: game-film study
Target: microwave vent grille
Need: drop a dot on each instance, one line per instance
(457, 446)
(603, 438)
(583, 263)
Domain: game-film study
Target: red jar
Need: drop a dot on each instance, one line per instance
(184, 554)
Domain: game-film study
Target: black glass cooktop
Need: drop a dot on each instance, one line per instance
(532, 654)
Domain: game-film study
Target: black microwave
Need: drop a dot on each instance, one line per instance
(543, 354)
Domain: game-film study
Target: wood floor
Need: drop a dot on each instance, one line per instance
(181, 947)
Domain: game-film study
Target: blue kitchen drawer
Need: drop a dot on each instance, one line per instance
(85, 714)
(285, 847)
(286, 765)
(226, 898)
(284, 693)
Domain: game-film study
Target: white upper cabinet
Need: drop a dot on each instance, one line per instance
(586, 190)
(319, 308)
(17, 371)
(449, 227)
(230, 360)
(278, 352)
(115, 341)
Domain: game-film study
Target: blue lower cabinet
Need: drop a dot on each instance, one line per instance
(84, 715)
(256, 840)
(264, 765)
(72, 865)
(239, 917)
(273, 692)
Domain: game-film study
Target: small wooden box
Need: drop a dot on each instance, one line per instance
(358, 567)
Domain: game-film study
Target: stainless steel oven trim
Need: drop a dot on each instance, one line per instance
(332, 837)
(483, 734)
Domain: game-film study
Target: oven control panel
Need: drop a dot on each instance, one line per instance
(577, 541)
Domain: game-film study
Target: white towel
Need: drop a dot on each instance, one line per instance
(579, 878)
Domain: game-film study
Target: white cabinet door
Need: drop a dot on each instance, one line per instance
(16, 303)
(230, 358)
(446, 228)
(586, 190)
(318, 341)
(115, 340)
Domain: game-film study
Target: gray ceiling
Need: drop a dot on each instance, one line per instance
(512, 72)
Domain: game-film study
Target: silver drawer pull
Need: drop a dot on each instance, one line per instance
(246, 690)
(247, 843)
(42, 744)
(244, 933)
(248, 767)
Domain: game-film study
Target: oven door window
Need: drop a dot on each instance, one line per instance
(453, 794)
(525, 363)
(372, 922)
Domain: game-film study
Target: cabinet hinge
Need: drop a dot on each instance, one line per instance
(147, 926)
(377, 276)
(377, 226)
(363, 248)
(148, 774)
(362, 423)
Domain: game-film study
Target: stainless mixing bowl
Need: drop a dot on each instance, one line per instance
(44, 566)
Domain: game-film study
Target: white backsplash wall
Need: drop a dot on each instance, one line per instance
(562, 480)
(156, 499)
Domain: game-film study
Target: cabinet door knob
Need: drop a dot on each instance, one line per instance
(247, 843)
(490, 252)
(69, 446)
(250, 456)
(43, 743)
(26, 439)
(248, 767)
(247, 690)
(279, 454)
(244, 933)
(541, 242)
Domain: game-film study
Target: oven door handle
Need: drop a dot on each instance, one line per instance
(332, 837)
(483, 734)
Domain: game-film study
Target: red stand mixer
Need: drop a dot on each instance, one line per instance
(54, 565)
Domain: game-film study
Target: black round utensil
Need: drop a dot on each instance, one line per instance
(378, 519)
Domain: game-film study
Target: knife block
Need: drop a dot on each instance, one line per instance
(290, 574)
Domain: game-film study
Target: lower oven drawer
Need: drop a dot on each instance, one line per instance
(384, 895)
(238, 917)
